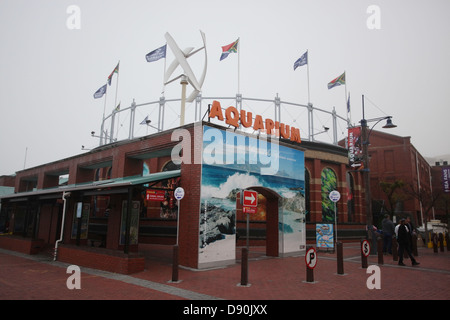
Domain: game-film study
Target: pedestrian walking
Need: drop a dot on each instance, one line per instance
(387, 226)
(404, 243)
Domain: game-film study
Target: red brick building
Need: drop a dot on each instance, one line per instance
(394, 158)
(105, 202)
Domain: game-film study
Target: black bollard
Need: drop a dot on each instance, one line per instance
(414, 245)
(394, 249)
(380, 250)
(175, 264)
(340, 258)
(441, 241)
(310, 260)
(244, 267)
(435, 242)
(363, 258)
(309, 275)
(447, 239)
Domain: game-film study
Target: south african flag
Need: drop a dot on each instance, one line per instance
(116, 70)
(337, 82)
(232, 47)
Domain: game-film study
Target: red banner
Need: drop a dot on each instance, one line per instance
(155, 195)
(355, 154)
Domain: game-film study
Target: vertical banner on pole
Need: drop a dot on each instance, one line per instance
(355, 151)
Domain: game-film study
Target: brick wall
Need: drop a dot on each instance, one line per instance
(102, 259)
(19, 244)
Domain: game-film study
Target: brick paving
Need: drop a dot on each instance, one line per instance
(24, 277)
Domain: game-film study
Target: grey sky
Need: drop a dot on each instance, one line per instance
(48, 72)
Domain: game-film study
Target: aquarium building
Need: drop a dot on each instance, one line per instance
(95, 209)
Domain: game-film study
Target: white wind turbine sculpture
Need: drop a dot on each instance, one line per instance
(188, 75)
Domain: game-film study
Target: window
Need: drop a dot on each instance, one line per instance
(329, 183)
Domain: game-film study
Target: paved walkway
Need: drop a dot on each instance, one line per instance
(25, 277)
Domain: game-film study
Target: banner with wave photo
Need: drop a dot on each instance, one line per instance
(232, 162)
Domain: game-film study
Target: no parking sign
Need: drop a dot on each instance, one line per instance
(311, 258)
(365, 248)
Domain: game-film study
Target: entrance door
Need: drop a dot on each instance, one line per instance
(268, 204)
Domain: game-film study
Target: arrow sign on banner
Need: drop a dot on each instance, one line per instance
(250, 198)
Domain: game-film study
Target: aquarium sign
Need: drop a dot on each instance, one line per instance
(234, 117)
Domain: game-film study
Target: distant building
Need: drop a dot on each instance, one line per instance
(441, 184)
(394, 158)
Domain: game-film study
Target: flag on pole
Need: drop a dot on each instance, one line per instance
(301, 61)
(117, 109)
(337, 82)
(116, 70)
(157, 54)
(100, 92)
(231, 48)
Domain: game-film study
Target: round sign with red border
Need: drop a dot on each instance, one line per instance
(311, 258)
(365, 248)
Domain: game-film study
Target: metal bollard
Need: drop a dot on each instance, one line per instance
(380, 250)
(447, 239)
(394, 249)
(310, 261)
(414, 245)
(441, 241)
(244, 267)
(175, 264)
(309, 275)
(340, 258)
(434, 239)
(363, 258)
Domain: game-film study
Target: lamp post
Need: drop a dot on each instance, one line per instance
(366, 170)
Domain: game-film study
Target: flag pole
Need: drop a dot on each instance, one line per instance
(115, 100)
(103, 121)
(346, 100)
(239, 65)
(164, 73)
(117, 85)
(307, 72)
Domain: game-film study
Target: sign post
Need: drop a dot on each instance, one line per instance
(335, 196)
(178, 194)
(249, 201)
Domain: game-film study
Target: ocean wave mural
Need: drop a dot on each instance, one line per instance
(253, 162)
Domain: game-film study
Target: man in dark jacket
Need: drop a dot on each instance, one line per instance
(388, 231)
(404, 243)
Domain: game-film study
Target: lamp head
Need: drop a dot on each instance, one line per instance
(389, 124)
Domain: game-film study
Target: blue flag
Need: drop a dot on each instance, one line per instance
(157, 54)
(301, 61)
(100, 92)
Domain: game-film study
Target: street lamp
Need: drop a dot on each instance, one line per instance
(325, 129)
(366, 170)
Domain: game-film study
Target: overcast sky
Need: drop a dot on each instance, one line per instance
(397, 56)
